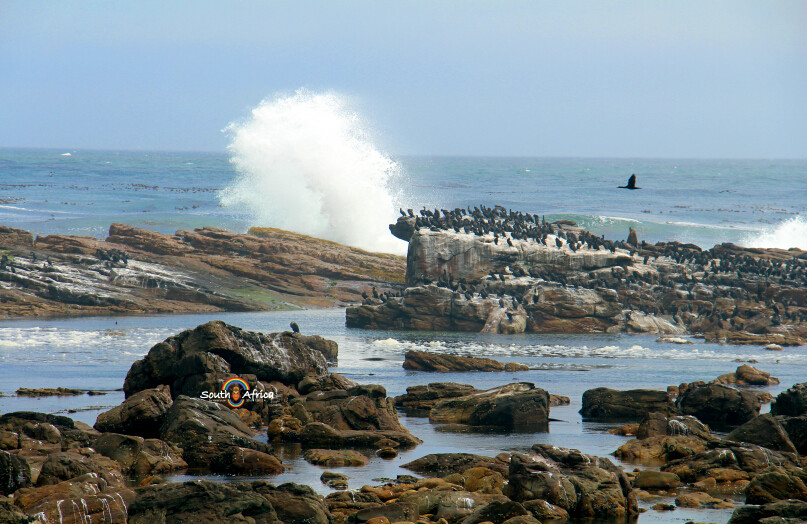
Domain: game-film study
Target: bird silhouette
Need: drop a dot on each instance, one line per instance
(294, 326)
(631, 183)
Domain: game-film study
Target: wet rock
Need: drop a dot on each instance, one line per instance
(328, 348)
(638, 322)
(138, 455)
(84, 498)
(660, 450)
(659, 425)
(546, 512)
(793, 511)
(362, 407)
(584, 485)
(141, 414)
(193, 418)
(426, 397)
(425, 361)
(517, 407)
(496, 512)
(387, 453)
(796, 429)
(610, 405)
(656, 480)
(216, 347)
(445, 463)
(448, 503)
(67, 465)
(718, 405)
(335, 458)
(15, 473)
(11, 514)
(766, 431)
(395, 512)
(747, 376)
(320, 434)
(777, 483)
(701, 500)
(792, 402)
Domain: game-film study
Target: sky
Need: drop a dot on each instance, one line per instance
(674, 79)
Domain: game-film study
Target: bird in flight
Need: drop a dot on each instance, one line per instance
(631, 183)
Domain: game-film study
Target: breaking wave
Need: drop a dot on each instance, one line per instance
(305, 163)
(787, 234)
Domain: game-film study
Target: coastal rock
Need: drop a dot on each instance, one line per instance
(138, 455)
(394, 512)
(774, 513)
(656, 480)
(497, 513)
(445, 463)
(638, 322)
(700, 499)
(449, 504)
(328, 348)
(584, 485)
(718, 405)
(216, 347)
(777, 483)
(84, 498)
(15, 473)
(362, 407)
(636, 404)
(323, 435)
(766, 431)
(792, 402)
(141, 414)
(659, 425)
(335, 458)
(796, 429)
(425, 361)
(519, 407)
(747, 376)
(426, 397)
(67, 465)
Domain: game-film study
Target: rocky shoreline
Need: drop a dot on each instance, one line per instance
(137, 271)
(491, 270)
(53, 469)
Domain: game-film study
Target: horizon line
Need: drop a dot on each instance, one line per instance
(405, 155)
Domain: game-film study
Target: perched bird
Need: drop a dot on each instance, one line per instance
(294, 326)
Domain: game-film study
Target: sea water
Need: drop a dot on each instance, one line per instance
(751, 202)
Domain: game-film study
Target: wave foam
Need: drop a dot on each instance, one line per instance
(305, 163)
(787, 234)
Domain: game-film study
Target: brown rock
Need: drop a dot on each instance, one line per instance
(335, 458)
(425, 361)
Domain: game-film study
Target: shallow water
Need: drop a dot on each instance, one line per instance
(95, 353)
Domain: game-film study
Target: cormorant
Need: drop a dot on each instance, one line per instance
(294, 326)
(631, 183)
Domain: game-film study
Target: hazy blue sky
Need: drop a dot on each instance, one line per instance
(570, 78)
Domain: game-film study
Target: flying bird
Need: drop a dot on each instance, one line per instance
(631, 183)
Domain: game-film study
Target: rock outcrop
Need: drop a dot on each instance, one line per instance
(718, 405)
(138, 271)
(493, 271)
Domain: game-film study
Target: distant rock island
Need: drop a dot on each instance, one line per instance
(136, 271)
(501, 271)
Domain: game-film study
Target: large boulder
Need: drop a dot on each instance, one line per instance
(215, 438)
(141, 414)
(792, 402)
(766, 431)
(718, 405)
(777, 483)
(796, 429)
(220, 350)
(520, 407)
(138, 455)
(613, 405)
(361, 407)
(584, 485)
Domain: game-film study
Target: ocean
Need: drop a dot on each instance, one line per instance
(751, 202)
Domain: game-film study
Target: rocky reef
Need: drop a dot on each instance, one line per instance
(136, 270)
(497, 271)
